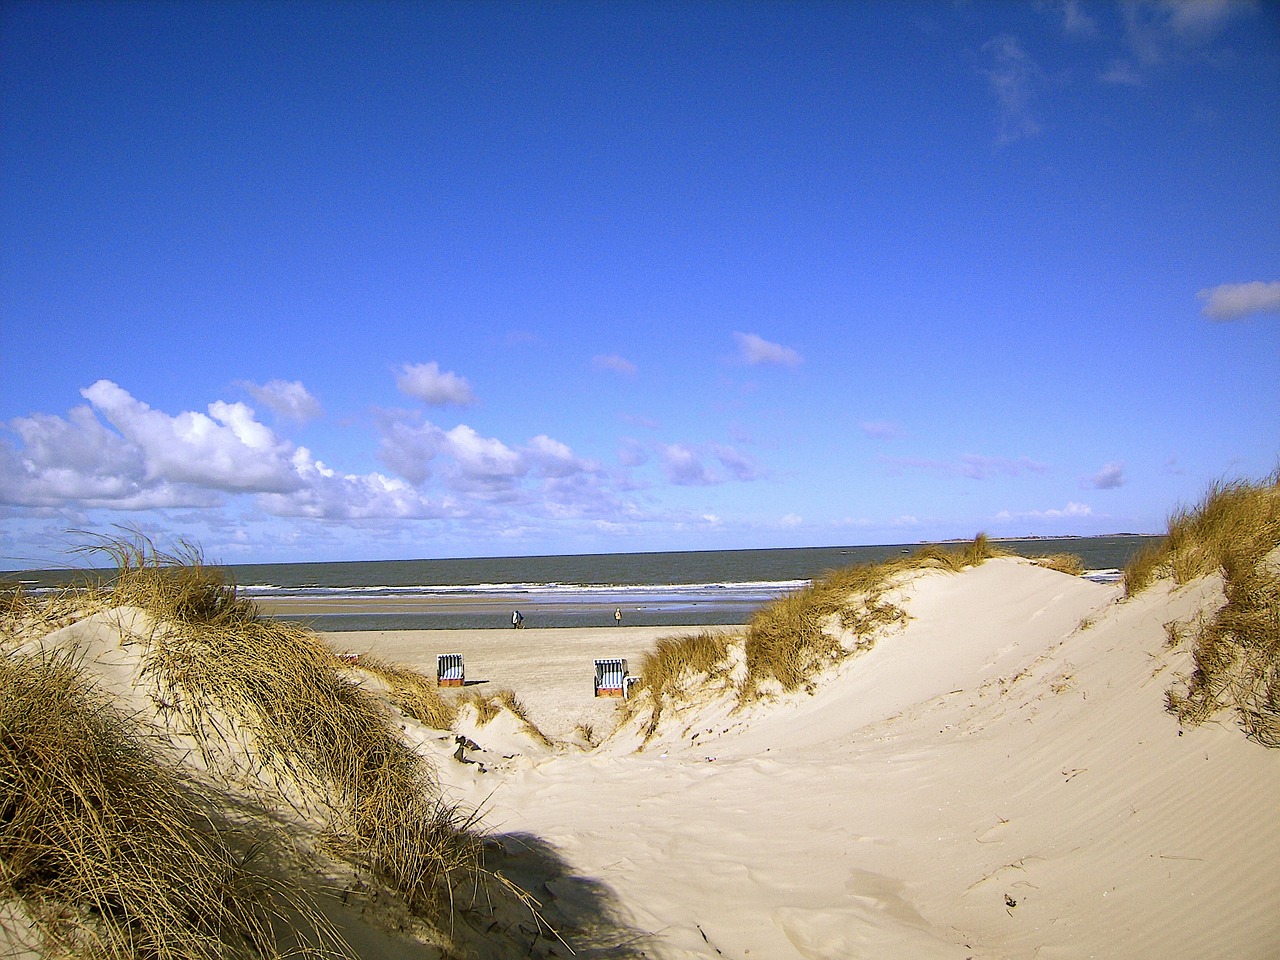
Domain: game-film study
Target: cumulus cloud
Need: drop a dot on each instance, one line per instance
(1013, 77)
(156, 460)
(78, 460)
(289, 400)
(408, 448)
(971, 465)
(753, 349)
(684, 468)
(1234, 301)
(614, 363)
(1109, 477)
(551, 458)
(326, 495)
(482, 458)
(428, 383)
(226, 450)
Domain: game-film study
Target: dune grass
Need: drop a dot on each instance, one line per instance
(792, 639)
(1236, 655)
(415, 694)
(110, 852)
(673, 663)
(488, 705)
(1067, 563)
(226, 674)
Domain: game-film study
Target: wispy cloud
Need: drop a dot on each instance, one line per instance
(687, 466)
(428, 383)
(1157, 30)
(1013, 77)
(1234, 301)
(882, 429)
(1123, 73)
(971, 465)
(614, 363)
(289, 400)
(754, 349)
(1075, 21)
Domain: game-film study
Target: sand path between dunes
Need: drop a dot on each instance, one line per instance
(1000, 779)
(550, 670)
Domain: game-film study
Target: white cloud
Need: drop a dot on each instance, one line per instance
(632, 453)
(226, 450)
(613, 362)
(1233, 301)
(327, 496)
(79, 461)
(552, 458)
(683, 467)
(289, 400)
(1013, 76)
(1109, 477)
(409, 448)
(482, 458)
(754, 349)
(1197, 19)
(434, 386)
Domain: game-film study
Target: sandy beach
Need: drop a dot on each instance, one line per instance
(551, 671)
(999, 778)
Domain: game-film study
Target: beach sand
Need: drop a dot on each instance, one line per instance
(550, 671)
(999, 778)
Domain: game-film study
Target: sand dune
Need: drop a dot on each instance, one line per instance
(998, 777)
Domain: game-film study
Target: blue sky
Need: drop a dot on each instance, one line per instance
(388, 280)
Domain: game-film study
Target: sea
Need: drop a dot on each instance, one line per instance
(697, 588)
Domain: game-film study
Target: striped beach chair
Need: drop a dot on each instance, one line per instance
(611, 678)
(449, 672)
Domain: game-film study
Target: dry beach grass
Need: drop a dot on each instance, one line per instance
(266, 705)
(1233, 532)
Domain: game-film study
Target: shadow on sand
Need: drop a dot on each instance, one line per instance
(572, 912)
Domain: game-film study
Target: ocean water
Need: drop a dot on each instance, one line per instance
(650, 589)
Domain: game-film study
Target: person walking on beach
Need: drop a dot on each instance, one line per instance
(517, 621)
(617, 616)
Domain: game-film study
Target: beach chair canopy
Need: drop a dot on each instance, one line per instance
(449, 669)
(611, 675)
